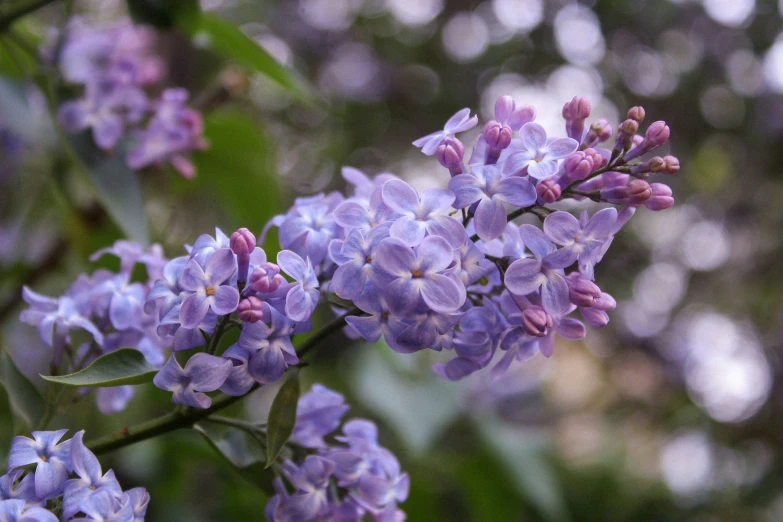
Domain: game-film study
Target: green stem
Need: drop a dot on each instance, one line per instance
(20, 9)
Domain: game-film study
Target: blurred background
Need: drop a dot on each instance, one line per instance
(673, 412)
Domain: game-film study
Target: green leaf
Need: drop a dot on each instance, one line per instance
(116, 185)
(6, 423)
(282, 417)
(117, 368)
(240, 450)
(238, 168)
(25, 400)
(231, 43)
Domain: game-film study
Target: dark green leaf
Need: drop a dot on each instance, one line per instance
(6, 423)
(231, 43)
(116, 185)
(117, 368)
(242, 451)
(25, 400)
(161, 13)
(238, 168)
(282, 417)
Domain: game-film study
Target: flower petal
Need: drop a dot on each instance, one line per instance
(220, 266)
(554, 294)
(293, 265)
(533, 136)
(434, 255)
(193, 310)
(299, 304)
(562, 228)
(207, 372)
(409, 229)
(225, 300)
(524, 276)
(400, 196)
(490, 220)
(436, 199)
(535, 241)
(395, 257)
(516, 191)
(442, 293)
(560, 148)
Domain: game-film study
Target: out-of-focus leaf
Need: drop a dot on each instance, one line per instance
(6, 423)
(231, 43)
(526, 460)
(25, 400)
(282, 417)
(26, 121)
(162, 13)
(117, 368)
(116, 185)
(238, 168)
(243, 452)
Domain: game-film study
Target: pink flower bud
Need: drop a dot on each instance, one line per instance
(450, 153)
(599, 132)
(671, 165)
(249, 310)
(582, 292)
(575, 112)
(657, 134)
(639, 191)
(636, 113)
(577, 166)
(496, 135)
(242, 242)
(548, 191)
(536, 321)
(625, 134)
(265, 279)
(661, 197)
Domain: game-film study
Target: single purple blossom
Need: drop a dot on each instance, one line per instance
(105, 506)
(208, 294)
(318, 414)
(311, 480)
(419, 275)
(18, 511)
(460, 122)
(487, 187)
(564, 229)
(202, 373)
(52, 460)
(421, 215)
(302, 297)
(55, 317)
(357, 261)
(525, 276)
(91, 478)
(539, 156)
(239, 380)
(11, 487)
(270, 346)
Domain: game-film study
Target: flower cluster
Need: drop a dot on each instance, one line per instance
(109, 307)
(116, 66)
(35, 495)
(343, 481)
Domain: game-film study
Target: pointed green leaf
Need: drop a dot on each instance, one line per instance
(25, 400)
(234, 45)
(116, 185)
(117, 368)
(282, 417)
(243, 452)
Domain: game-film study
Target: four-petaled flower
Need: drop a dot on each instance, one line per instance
(52, 460)
(487, 187)
(422, 215)
(302, 297)
(460, 122)
(202, 373)
(208, 294)
(539, 156)
(91, 478)
(269, 346)
(564, 229)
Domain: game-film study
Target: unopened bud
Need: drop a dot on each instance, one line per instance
(660, 198)
(657, 134)
(450, 153)
(577, 166)
(639, 191)
(536, 321)
(548, 191)
(496, 135)
(582, 292)
(250, 310)
(671, 165)
(265, 279)
(636, 114)
(242, 243)
(599, 132)
(625, 134)
(654, 164)
(575, 113)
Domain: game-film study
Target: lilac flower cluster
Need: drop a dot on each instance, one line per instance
(109, 307)
(337, 482)
(117, 67)
(66, 483)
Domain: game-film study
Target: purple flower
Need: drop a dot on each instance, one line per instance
(309, 226)
(113, 400)
(185, 338)
(460, 122)
(419, 275)
(125, 300)
(202, 373)
(104, 506)
(527, 275)
(475, 343)
(357, 261)
(576, 239)
(17, 511)
(55, 317)
(239, 380)
(364, 187)
(318, 414)
(51, 459)
(302, 297)
(487, 187)
(421, 216)
(166, 292)
(138, 500)
(11, 487)
(364, 215)
(539, 156)
(206, 245)
(311, 480)
(270, 346)
(206, 285)
(91, 478)
(425, 332)
(380, 321)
